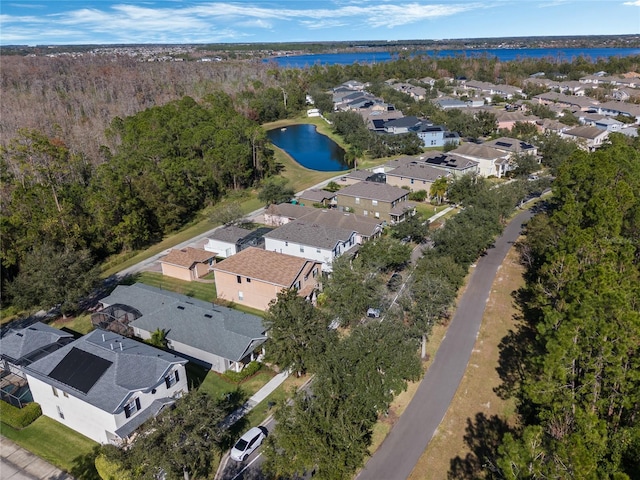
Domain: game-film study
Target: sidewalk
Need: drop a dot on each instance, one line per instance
(258, 397)
(16, 463)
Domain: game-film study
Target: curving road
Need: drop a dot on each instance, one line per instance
(400, 451)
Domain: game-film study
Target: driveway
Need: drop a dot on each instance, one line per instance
(399, 453)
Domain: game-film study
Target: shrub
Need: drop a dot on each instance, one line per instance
(110, 469)
(418, 196)
(247, 371)
(19, 418)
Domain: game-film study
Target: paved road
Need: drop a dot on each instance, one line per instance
(399, 453)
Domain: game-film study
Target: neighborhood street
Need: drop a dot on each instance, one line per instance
(400, 451)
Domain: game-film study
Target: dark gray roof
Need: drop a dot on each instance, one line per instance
(17, 345)
(316, 195)
(366, 226)
(219, 330)
(406, 122)
(302, 232)
(510, 144)
(374, 190)
(133, 366)
(444, 160)
(230, 233)
(288, 210)
(418, 170)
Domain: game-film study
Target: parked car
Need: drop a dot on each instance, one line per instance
(248, 443)
(373, 313)
(394, 282)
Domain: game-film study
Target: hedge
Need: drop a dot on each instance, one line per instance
(247, 371)
(110, 469)
(19, 418)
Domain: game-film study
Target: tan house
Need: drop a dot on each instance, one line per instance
(254, 277)
(415, 176)
(588, 138)
(187, 264)
(491, 162)
(378, 200)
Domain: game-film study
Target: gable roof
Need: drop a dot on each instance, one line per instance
(448, 160)
(374, 191)
(587, 132)
(270, 267)
(288, 210)
(116, 367)
(478, 151)
(316, 195)
(510, 145)
(26, 345)
(187, 257)
(417, 170)
(403, 122)
(366, 226)
(303, 232)
(230, 233)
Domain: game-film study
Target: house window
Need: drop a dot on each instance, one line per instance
(286, 244)
(132, 407)
(433, 142)
(374, 202)
(228, 252)
(238, 279)
(377, 214)
(171, 379)
(240, 296)
(65, 394)
(412, 181)
(357, 200)
(297, 285)
(301, 249)
(318, 250)
(60, 413)
(55, 391)
(248, 280)
(315, 272)
(365, 213)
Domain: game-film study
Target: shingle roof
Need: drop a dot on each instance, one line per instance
(133, 366)
(222, 331)
(316, 195)
(271, 267)
(586, 132)
(288, 210)
(510, 145)
(418, 170)
(374, 190)
(18, 344)
(450, 161)
(350, 221)
(187, 257)
(230, 233)
(304, 232)
(478, 151)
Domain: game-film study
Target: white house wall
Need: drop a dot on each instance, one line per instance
(222, 249)
(319, 254)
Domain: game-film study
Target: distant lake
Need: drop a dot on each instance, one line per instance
(503, 54)
(309, 148)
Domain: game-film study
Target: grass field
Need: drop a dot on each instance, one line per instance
(56, 444)
(476, 410)
(199, 290)
(80, 324)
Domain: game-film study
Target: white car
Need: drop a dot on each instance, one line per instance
(248, 443)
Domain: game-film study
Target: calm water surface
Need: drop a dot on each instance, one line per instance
(502, 54)
(309, 148)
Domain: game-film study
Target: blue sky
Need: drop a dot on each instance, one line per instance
(41, 22)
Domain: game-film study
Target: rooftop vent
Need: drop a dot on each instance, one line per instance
(180, 307)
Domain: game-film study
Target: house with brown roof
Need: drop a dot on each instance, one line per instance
(277, 214)
(587, 137)
(512, 145)
(365, 227)
(415, 176)
(491, 162)
(317, 196)
(378, 200)
(254, 277)
(187, 263)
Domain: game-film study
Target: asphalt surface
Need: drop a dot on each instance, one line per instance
(401, 450)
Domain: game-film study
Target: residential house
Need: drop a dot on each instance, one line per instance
(187, 263)
(437, 136)
(231, 239)
(317, 196)
(378, 200)
(254, 277)
(356, 176)
(601, 121)
(451, 163)
(415, 176)
(491, 162)
(214, 336)
(105, 386)
(276, 215)
(587, 137)
(581, 103)
(512, 146)
(305, 239)
(614, 108)
(547, 125)
(23, 346)
(365, 227)
(402, 125)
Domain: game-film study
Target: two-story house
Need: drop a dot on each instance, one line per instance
(491, 162)
(378, 200)
(415, 176)
(254, 277)
(105, 386)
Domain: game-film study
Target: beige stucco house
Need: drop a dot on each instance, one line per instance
(254, 277)
(187, 264)
(378, 200)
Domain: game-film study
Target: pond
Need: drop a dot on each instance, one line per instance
(309, 148)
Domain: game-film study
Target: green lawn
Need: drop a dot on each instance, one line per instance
(81, 324)
(216, 385)
(201, 291)
(55, 443)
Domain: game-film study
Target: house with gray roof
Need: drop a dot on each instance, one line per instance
(310, 240)
(587, 137)
(105, 386)
(276, 215)
(415, 176)
(23, 346)
(491, 162)
(317, 196)
(452, 164)
(365, 227)
(214, 336)
(231, 239)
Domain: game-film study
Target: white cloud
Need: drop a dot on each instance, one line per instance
(634, 3)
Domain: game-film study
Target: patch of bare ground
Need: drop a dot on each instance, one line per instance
(476, 415)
